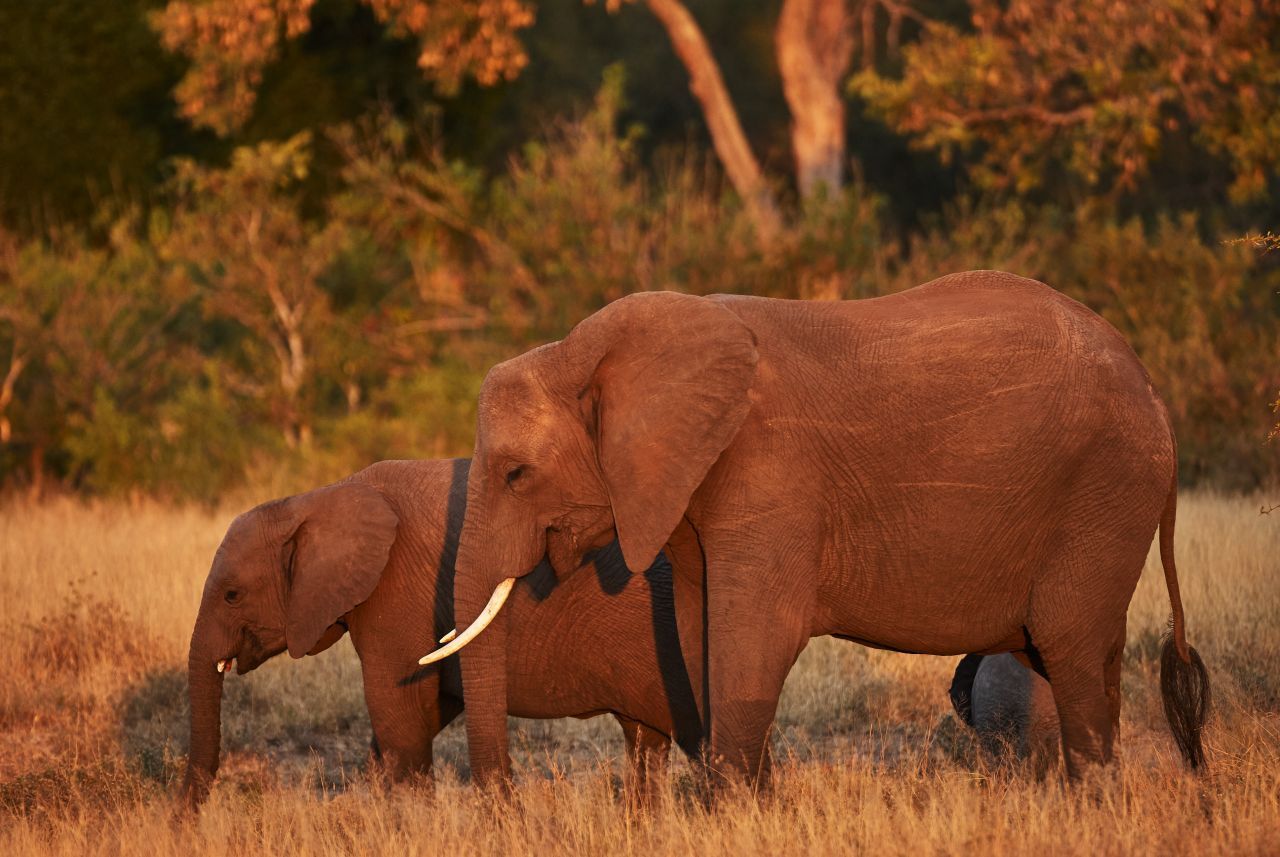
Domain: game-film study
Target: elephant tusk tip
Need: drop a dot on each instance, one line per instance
(456, 641)
(431, 658)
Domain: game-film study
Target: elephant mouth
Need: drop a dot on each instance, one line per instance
(242, 662)
(247, 655)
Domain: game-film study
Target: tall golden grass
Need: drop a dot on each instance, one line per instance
(96, 603)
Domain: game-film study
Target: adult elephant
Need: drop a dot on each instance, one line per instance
(373, 555)
(975, 465)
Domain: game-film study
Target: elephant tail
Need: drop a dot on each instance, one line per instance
(1184, 681)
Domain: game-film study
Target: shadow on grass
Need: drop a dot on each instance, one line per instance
(274, 731)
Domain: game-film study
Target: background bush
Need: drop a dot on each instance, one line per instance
(284, 311)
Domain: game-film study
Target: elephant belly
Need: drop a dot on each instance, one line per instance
(586, 695)
(926, 625)
(928, 583)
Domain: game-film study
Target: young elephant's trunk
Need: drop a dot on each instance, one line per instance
(205, 692)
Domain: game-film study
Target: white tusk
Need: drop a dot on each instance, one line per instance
(222, 666)
(496, 600)
(449, 636)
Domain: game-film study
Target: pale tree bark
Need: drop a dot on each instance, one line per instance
(293, 363)
(286, 339)
(815, 42)
(17, 362)
(727, 137)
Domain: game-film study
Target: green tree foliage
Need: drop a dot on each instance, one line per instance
(1093, 88)
(86, 107)
(99, 332)
(238, 236)
(231, 42)
(329, 286)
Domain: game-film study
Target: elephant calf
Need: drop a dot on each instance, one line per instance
(373, 556)
(1009, 706)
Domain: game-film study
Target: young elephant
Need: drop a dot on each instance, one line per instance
(1009, 706)
(373, 555)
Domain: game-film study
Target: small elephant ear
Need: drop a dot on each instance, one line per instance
(670, 393)
(340, 544)
(962, 687)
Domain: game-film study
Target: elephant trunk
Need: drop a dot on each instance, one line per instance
(490, 553)
(205, 693)
(484, 675)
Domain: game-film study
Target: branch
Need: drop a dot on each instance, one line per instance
(442, 325)
(727, 137)
(498, 251)
(995, 115)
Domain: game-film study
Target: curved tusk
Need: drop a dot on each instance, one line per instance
(496, 600)
(449, 636)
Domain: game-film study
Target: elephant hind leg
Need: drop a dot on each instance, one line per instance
(1084, 671)
(1111, 678)
(1081, 595)
(1084, 711)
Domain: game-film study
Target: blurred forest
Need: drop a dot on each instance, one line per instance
(265, 242)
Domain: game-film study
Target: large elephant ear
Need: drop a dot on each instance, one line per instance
(341, 540)
(669, 394)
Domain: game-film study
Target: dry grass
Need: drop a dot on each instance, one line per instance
(96, 604)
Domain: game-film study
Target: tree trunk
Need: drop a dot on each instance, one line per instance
(17, 362)
(815, 41)
(36, 491)
(708, 87)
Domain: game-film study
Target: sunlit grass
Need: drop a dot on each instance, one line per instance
(96, 605)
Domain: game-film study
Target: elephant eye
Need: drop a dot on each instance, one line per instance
(232, 596)
(514, 474)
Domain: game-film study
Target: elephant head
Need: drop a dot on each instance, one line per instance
(285, 574)
(1009, 706)
(606, 433)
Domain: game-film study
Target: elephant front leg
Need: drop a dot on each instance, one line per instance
(405, 722)
(647, 754)
(398, 756)
(757, 625)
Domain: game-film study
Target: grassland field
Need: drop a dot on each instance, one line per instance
(96, 607)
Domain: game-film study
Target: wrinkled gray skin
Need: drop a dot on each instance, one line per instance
(1009, 706)
(373, 556)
